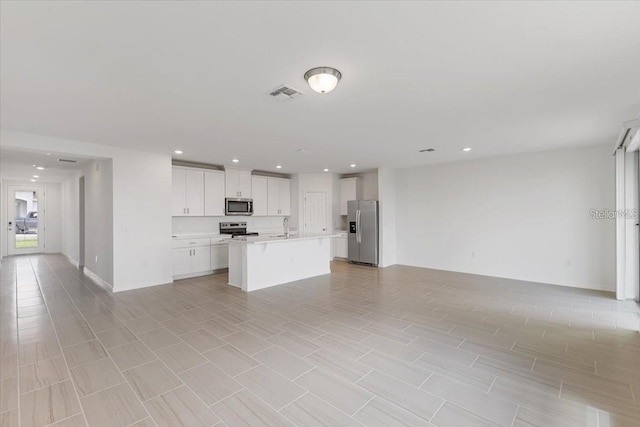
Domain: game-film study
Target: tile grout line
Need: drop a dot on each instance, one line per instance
(437, 410)
(55, 331)
(294, 400)
(373, 396)
(18, 338)
(105, 350)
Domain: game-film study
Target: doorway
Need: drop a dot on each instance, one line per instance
(315, 212)
(26, 221)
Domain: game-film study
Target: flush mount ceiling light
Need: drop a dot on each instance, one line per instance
(40, 168)
(278, 167)
(325, 169)
(323, 79)
(235, 160)
(177, 151)
(353, 165)
(36, 176)
(466, 149)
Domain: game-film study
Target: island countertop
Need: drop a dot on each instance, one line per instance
(280, 238)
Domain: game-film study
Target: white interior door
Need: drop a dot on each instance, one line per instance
(26, 221)
(315, 212)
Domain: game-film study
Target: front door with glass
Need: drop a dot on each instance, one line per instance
(25, 221)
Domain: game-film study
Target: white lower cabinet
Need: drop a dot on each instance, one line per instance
(341, 247)
(181, 261)
(191, 256)
(219, 256)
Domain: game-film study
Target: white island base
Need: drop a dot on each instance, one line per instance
(261, 262)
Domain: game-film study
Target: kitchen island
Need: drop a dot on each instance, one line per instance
(261, 262)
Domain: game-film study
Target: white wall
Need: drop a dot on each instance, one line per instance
(141, 209)
(70, 211)
(99, 245)
(523, 217)
(53, 217)
(387, 208)
(369, 185)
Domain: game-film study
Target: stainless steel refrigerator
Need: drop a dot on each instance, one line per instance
(362, 220)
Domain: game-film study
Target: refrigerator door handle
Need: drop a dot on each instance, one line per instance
(358, 231)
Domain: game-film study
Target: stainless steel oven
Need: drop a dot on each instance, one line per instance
(238, 206)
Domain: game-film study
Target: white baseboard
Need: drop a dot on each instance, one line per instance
(93, 276)
(72, 261)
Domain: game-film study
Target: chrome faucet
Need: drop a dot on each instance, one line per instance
(285, 226)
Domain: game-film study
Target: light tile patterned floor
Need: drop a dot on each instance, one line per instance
(363, 346)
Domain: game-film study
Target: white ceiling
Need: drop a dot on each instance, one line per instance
(19, 165)
(500, 77)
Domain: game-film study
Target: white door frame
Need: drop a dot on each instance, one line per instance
(10, 216)
(627, 195)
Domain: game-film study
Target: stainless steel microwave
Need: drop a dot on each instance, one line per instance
(238, 206)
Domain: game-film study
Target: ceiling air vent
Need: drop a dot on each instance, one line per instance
(285, 92)
(67, 161)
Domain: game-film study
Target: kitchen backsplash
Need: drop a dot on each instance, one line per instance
(204, 224)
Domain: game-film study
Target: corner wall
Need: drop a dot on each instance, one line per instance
(99, 242)
(524, 217)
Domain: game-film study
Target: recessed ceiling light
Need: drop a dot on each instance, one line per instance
(278, 167)
(235, 160)
(40, 168)
(36, 176)
(325, 169)
(466, 149)
(177, 151)
(353, 165)
(34, 166)
(48, 154)
(33, 180)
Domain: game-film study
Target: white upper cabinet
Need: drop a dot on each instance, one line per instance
(238, 183)
(279, 195)
(214, 191)
(178, 191)
(271, 196)
(350, 189)
(273, 190)
(259, 191)
(285, 197)
(187, 192)
(244, 184)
